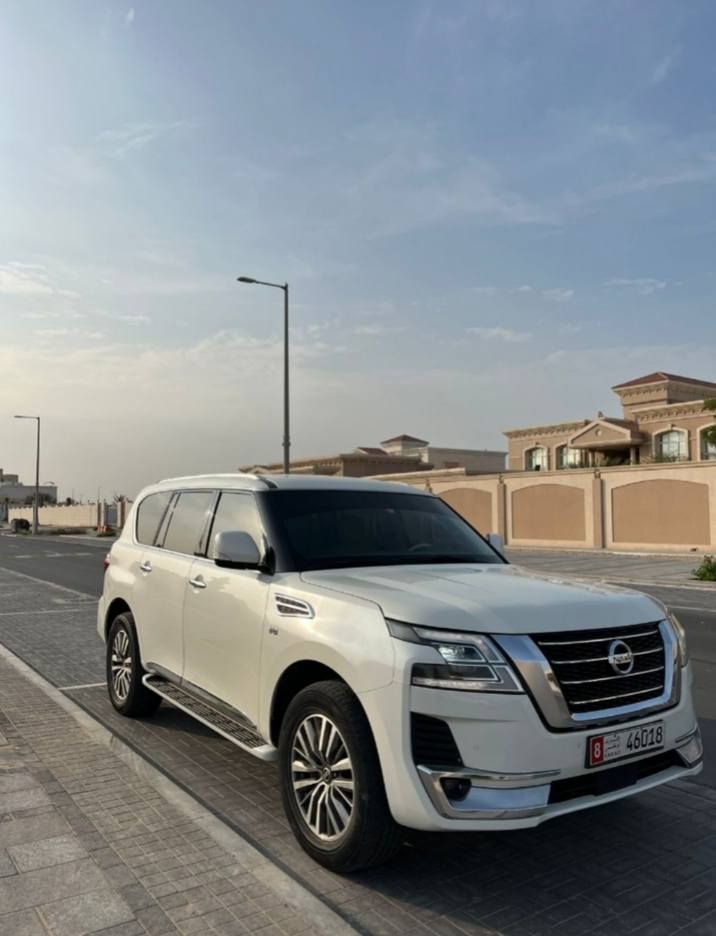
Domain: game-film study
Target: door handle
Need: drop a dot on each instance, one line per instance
(146, 566)
(197, 582)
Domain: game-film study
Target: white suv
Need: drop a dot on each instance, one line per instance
(400, 671)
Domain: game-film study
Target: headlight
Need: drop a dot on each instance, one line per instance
(681, 637)
(470, 662)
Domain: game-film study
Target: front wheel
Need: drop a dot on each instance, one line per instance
(331, 781)
(127, 692)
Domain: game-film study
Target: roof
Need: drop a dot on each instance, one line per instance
(370, 450)
(404, 438)
(624, 423)
(249, 482)
(662, 377)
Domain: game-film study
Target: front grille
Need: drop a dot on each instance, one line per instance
(432, 741)
(613, 778)
(580, 661)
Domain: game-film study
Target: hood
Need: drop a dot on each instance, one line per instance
(497, 599)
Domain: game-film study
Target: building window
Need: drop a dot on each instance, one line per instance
(671, 445)
(708, 449)
(536, 459)
(568, 457)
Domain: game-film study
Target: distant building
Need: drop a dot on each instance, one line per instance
(398, 455)
(15, 494)
(664, 418)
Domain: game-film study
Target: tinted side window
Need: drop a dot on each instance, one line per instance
(188, 522)
(236, 512)
(149, 515)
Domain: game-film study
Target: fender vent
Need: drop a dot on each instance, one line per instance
(293, 607)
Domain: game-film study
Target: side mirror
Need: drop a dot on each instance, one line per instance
(234, 549)
(497, 541)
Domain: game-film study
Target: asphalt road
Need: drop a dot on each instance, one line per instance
(72, 563)
(77, 564)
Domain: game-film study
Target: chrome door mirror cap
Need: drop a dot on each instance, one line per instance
(236, 549)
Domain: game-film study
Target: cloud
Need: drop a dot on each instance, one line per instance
(24, 279)
(554, 294)
(129, 18)
(497, 333)
(663, 68)
(560, 294)
(120, 141)
(401, 176)
(75, 333)
(45, 314)
(136, 318)
(644, 286)
(377, 329)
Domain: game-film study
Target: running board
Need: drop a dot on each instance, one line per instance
(235, 730)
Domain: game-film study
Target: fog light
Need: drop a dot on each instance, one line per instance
(456, 788)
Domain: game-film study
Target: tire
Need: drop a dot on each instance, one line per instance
(126, 690)
(340, 813)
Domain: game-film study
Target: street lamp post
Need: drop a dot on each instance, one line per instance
(286, 432)
(36, 505)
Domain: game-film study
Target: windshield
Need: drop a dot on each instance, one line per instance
(339, 529)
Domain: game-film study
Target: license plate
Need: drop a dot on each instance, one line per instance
(628, 742)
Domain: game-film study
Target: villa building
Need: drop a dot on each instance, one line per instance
(401, 454)
(663, 420)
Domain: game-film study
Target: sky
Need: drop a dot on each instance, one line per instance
(489, 212)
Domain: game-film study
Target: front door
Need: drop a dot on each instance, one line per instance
(224, 615)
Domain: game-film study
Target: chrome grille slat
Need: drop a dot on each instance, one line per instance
(580, 663)
(582, 682)
(602, 659)
(610, 637)
(611, 698)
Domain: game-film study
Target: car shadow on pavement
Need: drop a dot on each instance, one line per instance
(648, 861)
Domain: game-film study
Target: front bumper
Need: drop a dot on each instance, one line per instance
(522, 796)
(512, 760)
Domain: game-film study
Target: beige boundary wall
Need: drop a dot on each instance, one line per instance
(91, 516)
(648, 507)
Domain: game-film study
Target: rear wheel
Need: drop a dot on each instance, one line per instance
(331, 781)
(127, 693)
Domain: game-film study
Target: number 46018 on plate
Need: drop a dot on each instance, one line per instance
(629, 742)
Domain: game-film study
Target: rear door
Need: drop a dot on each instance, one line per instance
(164, 570)
(224, 614)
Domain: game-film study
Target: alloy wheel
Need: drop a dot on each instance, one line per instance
(121, 665)
(322, 777)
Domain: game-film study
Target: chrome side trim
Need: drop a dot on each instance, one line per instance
(690, 748)
(541, 681)
(682, 739)
(484, 802)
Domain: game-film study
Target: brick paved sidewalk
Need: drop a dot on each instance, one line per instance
(87, 845)
(637, 568)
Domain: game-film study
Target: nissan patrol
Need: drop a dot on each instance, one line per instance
(386, 655)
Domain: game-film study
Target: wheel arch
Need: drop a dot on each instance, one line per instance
(116, 606)
(294, 678)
